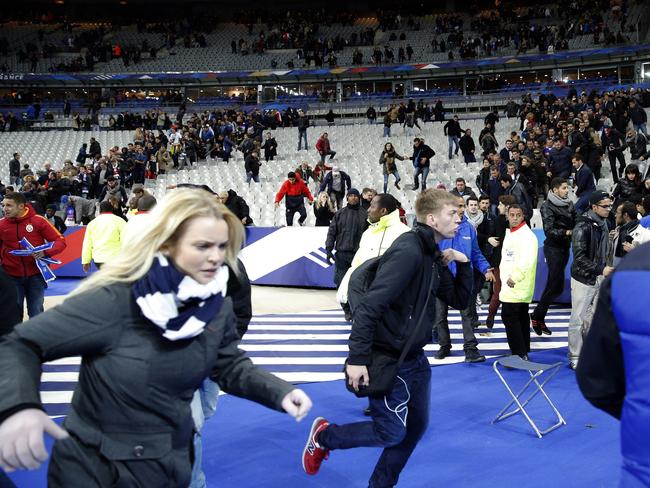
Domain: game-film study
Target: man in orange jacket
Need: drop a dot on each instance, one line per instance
(295, 190)
(20, 221)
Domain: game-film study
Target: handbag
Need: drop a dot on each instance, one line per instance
(384, 367)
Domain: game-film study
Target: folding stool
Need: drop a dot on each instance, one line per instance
(535, 370)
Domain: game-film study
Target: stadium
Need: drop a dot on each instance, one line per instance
(141, 143)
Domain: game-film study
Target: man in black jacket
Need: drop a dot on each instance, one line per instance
(14, 169)
(517, 190)
(344, 234)
(421, 158)
(467, 147)
(453, 131)
(613, 141)
(236, 205)
(590, 245)
(303, 124)
(558, 217)
(399, 297)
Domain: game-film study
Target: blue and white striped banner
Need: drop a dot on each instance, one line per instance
(311, 347)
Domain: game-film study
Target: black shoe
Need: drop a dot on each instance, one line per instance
(489, 323)
(473, 356)
(366, 412)
(537, 325)
(348, 317)
(397, 185)
(415, 187)
(443, 352)
(476, 325)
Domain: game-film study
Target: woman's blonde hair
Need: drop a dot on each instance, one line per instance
(330, 204)
(167, 223)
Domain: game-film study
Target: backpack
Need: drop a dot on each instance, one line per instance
(360, 281)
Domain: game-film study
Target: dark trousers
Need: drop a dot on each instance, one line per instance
(292, 211)
(32, 289)
(442, 326)
(556, 260)
(395, 427)
(515, 318)
(613, 156)
(342, 262)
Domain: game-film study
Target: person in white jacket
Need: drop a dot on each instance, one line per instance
(518, 269)
(384, 228)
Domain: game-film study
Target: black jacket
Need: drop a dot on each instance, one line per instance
(131, 405)
(483, 232)
(466, 144)
(303, 123)
(397, 295)
(346, 228)
(323, 215)
(239, 289)
(14, 167)
(423, 151)
(252, 165)
(625, 189)
(238, 206)
(585, 242)
(557, 220)
(270, 147)
(452, 128)
(638, 146)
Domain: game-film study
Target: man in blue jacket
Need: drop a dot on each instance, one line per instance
(559, 161)
(466, 242)
(584, 182)
(612, 372)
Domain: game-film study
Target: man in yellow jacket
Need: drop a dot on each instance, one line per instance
(103, 238)
(518, 269)
(385, 226)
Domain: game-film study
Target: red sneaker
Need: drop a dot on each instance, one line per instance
(313, 454)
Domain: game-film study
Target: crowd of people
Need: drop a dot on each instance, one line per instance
(546, 29)
(477, 239)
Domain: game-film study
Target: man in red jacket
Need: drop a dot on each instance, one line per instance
(295, 190)
(20, 221)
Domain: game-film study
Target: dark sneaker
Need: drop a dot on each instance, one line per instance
(443, 352)
(348, 317)
(537, 325)
(397, 185)
(489, 323)
(473, 356)
(313, 455)
(367, 412)
(546, 330)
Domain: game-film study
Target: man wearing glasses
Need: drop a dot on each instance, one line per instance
(590, 243)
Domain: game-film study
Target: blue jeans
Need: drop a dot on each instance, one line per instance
(641, 128)
(302, 135)
(453, 141)
(251, 176)
(397, 179)
(399, 421)
(330, 153)
(203, 407)
(416, 177)
(31, 288)
(386, 131)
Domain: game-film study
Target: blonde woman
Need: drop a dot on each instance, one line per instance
(323, 210)
(150, 326)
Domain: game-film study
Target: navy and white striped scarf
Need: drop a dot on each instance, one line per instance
(179, 305)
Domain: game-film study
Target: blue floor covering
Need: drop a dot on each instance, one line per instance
(246, 445)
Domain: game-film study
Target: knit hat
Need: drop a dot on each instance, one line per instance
(354, 191)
